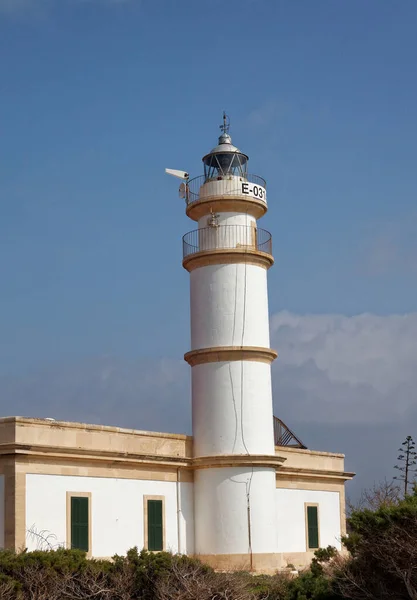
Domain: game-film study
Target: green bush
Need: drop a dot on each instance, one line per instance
(315, 583)
(60, 574)
(147, 568)
(140, 575)
(383, 548)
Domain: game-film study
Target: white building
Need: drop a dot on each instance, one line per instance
(243, 492)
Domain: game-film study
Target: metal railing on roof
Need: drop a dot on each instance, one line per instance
(283, 436)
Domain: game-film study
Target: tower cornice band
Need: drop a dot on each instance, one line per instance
(230, 353)
(251, 206)
(238, 460)
(224, 256)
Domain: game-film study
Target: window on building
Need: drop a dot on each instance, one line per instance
(80, 526)
(155, 525)
(312, 518)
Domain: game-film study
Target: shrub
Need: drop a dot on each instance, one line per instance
(189, 579)
(269, 587)
(140, 575)
(383, 547)
(316, 583)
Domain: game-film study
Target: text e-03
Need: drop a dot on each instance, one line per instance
(257, 191)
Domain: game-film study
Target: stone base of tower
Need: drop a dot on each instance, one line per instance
(266, 564)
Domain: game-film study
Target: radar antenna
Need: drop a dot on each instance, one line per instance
(226, 123)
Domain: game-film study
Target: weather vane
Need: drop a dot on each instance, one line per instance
(226, 123)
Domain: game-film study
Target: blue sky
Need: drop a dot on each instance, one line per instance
(99, 96)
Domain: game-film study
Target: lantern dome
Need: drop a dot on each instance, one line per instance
(225, 159)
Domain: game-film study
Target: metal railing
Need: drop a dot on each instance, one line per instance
(194, 185)
(283, 436)
(223, 237)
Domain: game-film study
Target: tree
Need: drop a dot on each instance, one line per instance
(383, 554)
(407, 457)
(385, 493)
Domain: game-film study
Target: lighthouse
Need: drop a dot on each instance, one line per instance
(244, 493)
(228, 256)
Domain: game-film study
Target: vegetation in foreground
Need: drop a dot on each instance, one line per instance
(381, 564)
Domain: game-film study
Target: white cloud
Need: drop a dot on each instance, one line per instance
(338, 369)
(344, 384)
(331, 369)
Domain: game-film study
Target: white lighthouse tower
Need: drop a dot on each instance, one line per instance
(228, 257)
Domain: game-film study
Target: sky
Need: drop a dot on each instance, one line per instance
(98, 97)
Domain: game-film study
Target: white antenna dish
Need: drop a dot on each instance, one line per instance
(183, 190)
(176, 173)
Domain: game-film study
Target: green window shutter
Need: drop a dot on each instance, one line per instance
(313, 526)
(155, 526)
(79, 523)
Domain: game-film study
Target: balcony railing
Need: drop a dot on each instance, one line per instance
(228, 185)
(227, 237)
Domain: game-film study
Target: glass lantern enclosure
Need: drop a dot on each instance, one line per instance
(225, 160)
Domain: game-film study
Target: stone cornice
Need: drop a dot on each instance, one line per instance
(245, 254)
(307, 451)
(298, 473)
(237, 460)
(72, 453)
(80, 454)
(230, 353)
(226, 203)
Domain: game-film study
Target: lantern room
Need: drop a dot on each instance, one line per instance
(225, 159)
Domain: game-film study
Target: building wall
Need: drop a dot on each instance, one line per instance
(40, 461)
(291, 518)
(2, 500)
(117, 510)
(118, 514)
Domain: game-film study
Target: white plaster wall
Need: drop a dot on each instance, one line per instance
(232, 186)
(229, 218)
(1, 511)
(186, 491)
(291, 521)
(229, 306)
(225, 421)
(231, 237)
(117, 510)
(220, 497)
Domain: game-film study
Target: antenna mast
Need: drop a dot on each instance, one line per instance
(226, 123)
